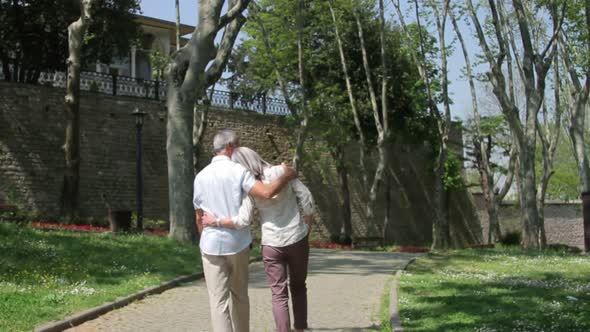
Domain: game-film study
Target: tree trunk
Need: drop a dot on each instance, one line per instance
(579, 145)
(581, 155)
(387, 217)
(441, 238)
(577, 118)
(378, 112)
(76, 32)
(200, 126)
(486, 179)
(445, 227)
(440, 227)
(304, 114)
(342, 171)
(378, 181)
(528, 195)
(549, 140)
(179, 147)
(195, 66)
(351, 98)
(533, 69)
(494, 231)
(177, 24)
(487, 186)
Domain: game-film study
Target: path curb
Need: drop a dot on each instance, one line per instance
(394, 318)
(92, 313)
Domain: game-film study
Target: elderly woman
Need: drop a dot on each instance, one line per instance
(285, 246)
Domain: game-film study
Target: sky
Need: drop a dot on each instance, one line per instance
(459, 87)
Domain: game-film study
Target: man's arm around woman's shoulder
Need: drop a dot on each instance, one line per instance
(269, 190)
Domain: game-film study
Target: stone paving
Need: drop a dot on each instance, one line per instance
(344, 294)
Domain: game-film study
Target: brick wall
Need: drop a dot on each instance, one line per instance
(31, 164)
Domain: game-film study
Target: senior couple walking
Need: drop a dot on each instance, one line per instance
(226, 192)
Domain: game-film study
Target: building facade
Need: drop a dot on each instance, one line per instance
(158, 36)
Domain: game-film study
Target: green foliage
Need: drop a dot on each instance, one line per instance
(453, 166)
(34, 34)
(493, 131)
(155, 224)
(252, 70)
(564, 183)
(14, 199)
(506, 289)
(495, 134)
(576, 30)
(158, 62)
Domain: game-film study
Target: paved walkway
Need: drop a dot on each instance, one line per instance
(344, 294)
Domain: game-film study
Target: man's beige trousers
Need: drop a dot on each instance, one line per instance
(227, 284)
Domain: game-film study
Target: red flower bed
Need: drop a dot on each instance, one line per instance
(86, 228)
(157, 232)
(329, 245)
(411, 249)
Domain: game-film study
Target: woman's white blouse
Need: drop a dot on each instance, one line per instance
(281, 222)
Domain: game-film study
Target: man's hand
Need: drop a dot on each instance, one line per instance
(268, 191)
(209, 220)
(290, 172)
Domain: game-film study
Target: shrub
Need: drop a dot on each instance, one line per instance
(564, 248)
(511, 238)
(154, 224)
(341, 239)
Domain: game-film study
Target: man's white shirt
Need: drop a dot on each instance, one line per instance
(219, 189)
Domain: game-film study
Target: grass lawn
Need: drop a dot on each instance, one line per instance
(48, 275)
(384, 312)
(504, 289)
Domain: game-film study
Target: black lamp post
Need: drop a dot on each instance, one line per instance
(139, 124)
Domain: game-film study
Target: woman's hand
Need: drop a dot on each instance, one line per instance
(209, 220)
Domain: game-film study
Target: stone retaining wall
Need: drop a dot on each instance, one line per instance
(31, 164)
(563, 221)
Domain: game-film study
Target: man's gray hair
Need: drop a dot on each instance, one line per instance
(223, 138)
(251, 161)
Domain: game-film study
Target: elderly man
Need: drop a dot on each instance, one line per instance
(219, 190)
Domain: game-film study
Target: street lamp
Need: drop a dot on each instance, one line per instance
(139, 124)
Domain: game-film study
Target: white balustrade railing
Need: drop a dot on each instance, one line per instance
(149, 89)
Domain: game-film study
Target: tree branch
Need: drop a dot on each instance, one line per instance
(555, 35)
(515, 51)
(224, 50)
(367, 68)
(566, 56)
(499, 35)
(480, 33)
(238, 8)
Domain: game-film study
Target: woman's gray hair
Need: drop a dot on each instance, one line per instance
(223, 138)
(251, 161)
